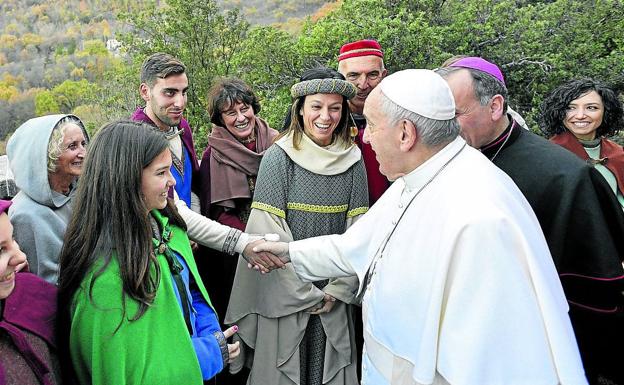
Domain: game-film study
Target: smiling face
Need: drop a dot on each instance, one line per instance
(156, 179)
(166, 100)
(239, 119)
(365, 73)
(10, 257)
(69, 164)
(321, 115)
(584, 115)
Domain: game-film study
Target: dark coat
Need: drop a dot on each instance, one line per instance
(584, 228)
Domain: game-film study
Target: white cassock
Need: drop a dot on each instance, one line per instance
(465, 290)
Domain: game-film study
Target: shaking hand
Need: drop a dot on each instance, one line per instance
(265, 255)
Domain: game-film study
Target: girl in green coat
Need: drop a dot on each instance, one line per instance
(133, 309)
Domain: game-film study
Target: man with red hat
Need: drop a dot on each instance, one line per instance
(361, 63)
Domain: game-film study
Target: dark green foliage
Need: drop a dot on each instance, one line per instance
(538, 45)
(196, 32)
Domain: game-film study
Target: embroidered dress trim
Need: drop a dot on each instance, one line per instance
(268, 208)
(356, 211)
(317, 208)
(230, 241)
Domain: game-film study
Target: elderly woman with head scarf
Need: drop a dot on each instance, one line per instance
(580, 115)
(46, 156)
(27, 316)
(311, 182)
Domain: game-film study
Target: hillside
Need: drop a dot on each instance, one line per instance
(45, 44)
(264, 12)
(56, 55)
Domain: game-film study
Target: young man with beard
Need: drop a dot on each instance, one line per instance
(163, 87)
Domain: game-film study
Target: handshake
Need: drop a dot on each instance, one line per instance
(266, 253)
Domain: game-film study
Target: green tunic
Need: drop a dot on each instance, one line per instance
(107, 348)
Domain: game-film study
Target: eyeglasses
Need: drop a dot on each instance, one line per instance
(374, 75)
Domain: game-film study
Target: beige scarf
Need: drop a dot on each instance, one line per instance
(330, 160)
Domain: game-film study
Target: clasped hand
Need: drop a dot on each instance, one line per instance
(325, 306)
(264, 256)
(233, 349)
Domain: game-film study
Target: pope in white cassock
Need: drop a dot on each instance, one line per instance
(456, 280)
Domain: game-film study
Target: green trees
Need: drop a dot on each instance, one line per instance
(270, 67)
(538, 45)
(196, 32)
(45, 103)
(70, 94)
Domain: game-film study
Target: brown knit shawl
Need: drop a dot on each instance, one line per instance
(231, 163)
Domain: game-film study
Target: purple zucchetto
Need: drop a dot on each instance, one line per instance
(480, 64)
(4, 206)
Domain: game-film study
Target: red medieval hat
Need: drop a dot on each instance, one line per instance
(360, 48)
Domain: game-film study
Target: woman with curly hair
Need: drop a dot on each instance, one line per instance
(580, 115)
(227, 179)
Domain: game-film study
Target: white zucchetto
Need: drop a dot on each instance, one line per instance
(421, 91)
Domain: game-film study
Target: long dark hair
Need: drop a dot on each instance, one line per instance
(553, 109)
(110, 218)
(296, 125)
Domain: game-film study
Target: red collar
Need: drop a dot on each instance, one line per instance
(610, 150)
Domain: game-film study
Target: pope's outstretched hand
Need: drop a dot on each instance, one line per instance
(261, 259)
(276, 251)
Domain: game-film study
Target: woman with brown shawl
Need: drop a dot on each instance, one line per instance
(228, 174)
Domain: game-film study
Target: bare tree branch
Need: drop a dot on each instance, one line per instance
(542, 64)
